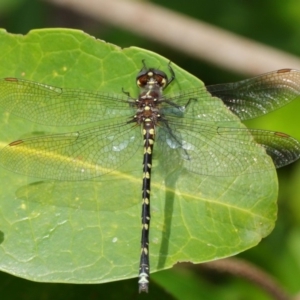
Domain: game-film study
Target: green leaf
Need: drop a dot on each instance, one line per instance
(89, 231)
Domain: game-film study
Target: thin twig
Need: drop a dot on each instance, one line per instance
(188, 35)
(246, 270)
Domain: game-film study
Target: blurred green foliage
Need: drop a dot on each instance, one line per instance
(273, 22)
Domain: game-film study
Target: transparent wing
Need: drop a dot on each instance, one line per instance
(282, 148)
(219, 151)
(199, 147)
(260, 95)
(49, 105)
(73, 156)
(207, 109)
(189, 136)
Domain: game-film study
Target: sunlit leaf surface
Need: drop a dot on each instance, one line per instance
(89, 230)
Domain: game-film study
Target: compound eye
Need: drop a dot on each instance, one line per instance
(142, 79)
(160, 77)
(161, 80)
(145, 75)
(142, 73)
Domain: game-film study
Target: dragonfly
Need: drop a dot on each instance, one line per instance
(183, 125)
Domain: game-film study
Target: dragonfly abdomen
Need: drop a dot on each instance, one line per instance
(148, 133)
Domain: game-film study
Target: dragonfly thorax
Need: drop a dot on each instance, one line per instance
(147, 110)
(151, 82)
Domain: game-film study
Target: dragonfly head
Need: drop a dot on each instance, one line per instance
(149, 77)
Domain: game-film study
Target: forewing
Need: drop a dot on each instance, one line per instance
(196, 103)
(260, 95)
(49, 105)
